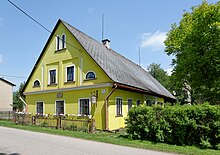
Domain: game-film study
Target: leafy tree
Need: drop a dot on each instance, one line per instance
(195, 43)
(17, 103)
(161, 75)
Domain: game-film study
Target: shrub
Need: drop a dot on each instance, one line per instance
(181, 125)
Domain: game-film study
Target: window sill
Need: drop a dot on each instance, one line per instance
(69, 82)
(60, 50)
(90, 79)
(119, 115)
(52, 84)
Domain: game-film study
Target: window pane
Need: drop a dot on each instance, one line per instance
(59, 107)
(70, 73)
(119, 106)
(84, 106)
(129, 104)
(138, 102)
(90, 75)
(63, 41)
(58, 42)
(39, 107)
(52, 76)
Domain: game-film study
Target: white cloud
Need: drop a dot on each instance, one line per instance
(1, 59)
(169, 71)
(154, 41)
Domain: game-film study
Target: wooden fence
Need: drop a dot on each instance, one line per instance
(73, 123)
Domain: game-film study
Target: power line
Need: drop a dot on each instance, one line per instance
(38, 23)
(14, 76)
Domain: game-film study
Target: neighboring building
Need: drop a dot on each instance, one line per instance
(6, 95)
(76, 74)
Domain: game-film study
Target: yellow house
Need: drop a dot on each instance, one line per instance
(75, 74)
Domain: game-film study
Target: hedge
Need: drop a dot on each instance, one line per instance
(197, 125)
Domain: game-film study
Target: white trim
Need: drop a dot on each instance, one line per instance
(79, 104)
(74, 76)
(64, 104)
(87, 73)
(49, 75)
(62, 41)
(68, 89)
(57, 40)
(116, 106)
(43, 107)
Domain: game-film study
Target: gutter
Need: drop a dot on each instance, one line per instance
(106, 107)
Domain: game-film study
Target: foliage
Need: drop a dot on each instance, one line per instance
(197, 125)
(17, 103)
(195, 43)
(161, 75)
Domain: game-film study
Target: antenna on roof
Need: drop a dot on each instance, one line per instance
(103, 17)
(139, 55)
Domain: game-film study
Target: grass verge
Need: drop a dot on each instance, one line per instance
(116, 138)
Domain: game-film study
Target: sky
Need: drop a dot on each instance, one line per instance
(128, 24)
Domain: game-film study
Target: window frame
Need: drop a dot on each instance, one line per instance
(119, 112)
(63, 41)
(129, 107)
(79, 106)
(36, 85)
(37, 107)
(49, 77)
(64, 107)
(137, 104)
(66, 77)
(58, 43)
(90, 78)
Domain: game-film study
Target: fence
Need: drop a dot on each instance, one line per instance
(74, 123)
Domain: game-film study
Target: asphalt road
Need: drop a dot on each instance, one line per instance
(19, 142)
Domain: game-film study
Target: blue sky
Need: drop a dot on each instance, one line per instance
(128, 24)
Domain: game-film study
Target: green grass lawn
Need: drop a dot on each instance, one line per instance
(116, 138)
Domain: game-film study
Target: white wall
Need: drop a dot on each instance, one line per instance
(6, 96)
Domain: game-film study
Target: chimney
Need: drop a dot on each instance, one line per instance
(106, 43)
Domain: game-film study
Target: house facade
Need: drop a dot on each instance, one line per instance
(75, 74)
(6, 95)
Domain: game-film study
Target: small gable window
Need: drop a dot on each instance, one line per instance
(90, 75)
(36, 83)
(61, 42)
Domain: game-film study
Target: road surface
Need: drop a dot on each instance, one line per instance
(20, 142)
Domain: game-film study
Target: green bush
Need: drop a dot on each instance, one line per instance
(197, 125)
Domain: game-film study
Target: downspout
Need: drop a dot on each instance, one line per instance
(106, 107)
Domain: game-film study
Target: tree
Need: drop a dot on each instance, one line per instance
(17, 103)
(195, 43)
(161, 75)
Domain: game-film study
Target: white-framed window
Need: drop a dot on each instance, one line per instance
(36, 83)
(40, 108)
(63, 41)
(90, 75)
(60, 42)
(138, 102)
(60, 107)
(118, 106)
(84, 106)
(129, 104)
(52, 76)
(70, 73)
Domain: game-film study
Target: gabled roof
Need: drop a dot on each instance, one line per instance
(8, 82)
(117, 67)
(120, 69)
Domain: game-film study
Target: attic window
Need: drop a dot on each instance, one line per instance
(61, 42)
(90, 75)
(36, 83)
